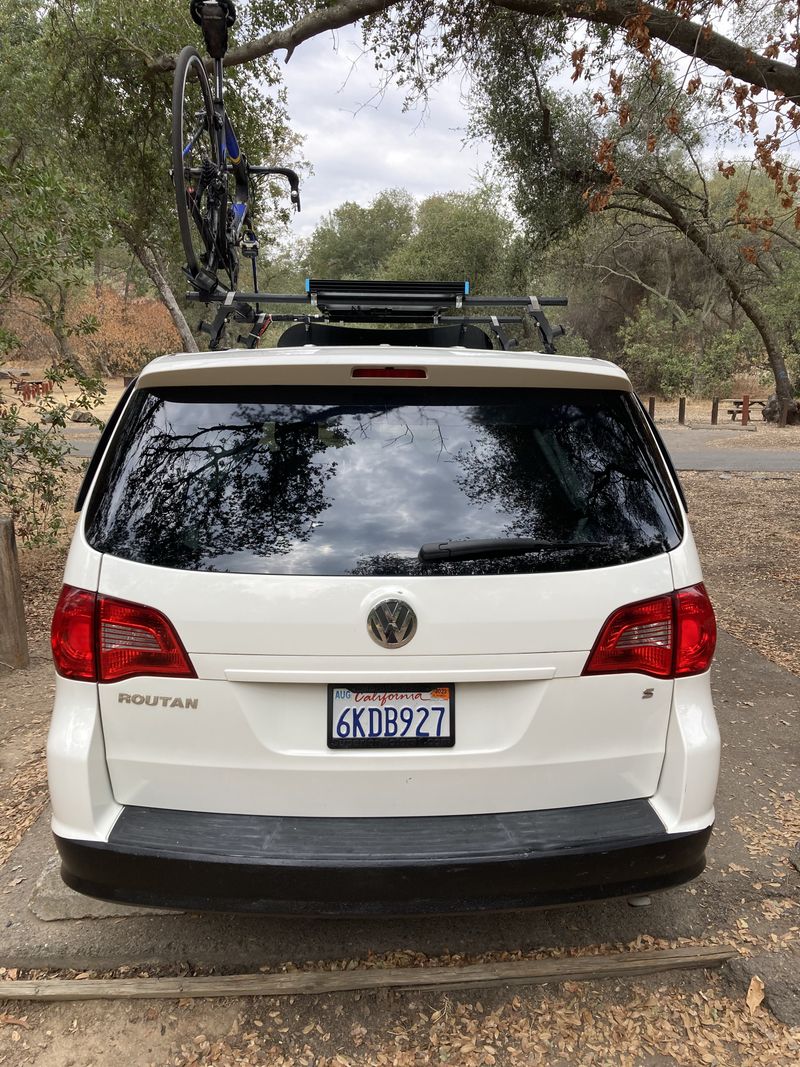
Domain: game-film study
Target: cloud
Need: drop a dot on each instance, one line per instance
(358, 138)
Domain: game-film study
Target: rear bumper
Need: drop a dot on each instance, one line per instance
(198, 861)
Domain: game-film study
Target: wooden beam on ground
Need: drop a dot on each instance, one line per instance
(13, 636)
(295, 983)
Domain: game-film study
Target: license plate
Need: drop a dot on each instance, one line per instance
(387, 716)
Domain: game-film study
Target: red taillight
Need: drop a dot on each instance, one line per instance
(134, 639)
(697, 631)
(389, 372)
(72, 634)
(638, 637)
(666, 637)
(101, 639)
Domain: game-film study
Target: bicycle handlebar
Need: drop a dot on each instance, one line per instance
(284, 172)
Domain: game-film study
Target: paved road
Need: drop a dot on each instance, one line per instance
(725, 450)
(83, 445)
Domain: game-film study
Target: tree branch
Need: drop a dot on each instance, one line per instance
(329, 18)
(691, 38)
(774, 231)
(630, 275)
(688, 37)
(636, 209)
(704, 243)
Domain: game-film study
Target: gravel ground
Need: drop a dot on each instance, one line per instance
(744, 525)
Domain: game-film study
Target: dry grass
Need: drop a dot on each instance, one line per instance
(698, 415)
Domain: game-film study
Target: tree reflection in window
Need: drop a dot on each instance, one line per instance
(571, 472)
(346, 480)
(215, 486)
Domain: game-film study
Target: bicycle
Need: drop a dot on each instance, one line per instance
(211, 174)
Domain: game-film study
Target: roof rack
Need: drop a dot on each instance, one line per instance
(373, 302)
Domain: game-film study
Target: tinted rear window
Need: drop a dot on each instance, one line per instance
(355, 480)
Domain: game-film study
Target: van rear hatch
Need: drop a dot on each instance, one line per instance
(268, 519)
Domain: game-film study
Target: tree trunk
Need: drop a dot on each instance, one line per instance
(148, 260)
(66, 355)
(703, 242)
(56, 320)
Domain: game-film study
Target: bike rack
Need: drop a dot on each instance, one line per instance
(379, 302)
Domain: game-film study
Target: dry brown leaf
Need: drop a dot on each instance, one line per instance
(755, 994)
(12, 1020)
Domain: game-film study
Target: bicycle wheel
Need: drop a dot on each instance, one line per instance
(198, 176)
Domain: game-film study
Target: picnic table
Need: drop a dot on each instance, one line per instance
(29, 388)
(739, 403)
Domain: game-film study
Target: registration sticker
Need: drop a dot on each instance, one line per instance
(387, 716)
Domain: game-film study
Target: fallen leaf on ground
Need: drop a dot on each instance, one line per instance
(12, 1020)
(755, 993)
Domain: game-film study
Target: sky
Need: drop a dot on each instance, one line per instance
(360, 141)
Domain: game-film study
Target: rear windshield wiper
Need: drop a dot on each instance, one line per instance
(492, 547)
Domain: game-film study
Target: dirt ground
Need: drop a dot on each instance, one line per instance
(746, 528)
(637, 1025)
(745, 525)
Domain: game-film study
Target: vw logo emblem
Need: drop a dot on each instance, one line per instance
(392, 623)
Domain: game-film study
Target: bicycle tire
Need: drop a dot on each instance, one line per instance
(190, 63)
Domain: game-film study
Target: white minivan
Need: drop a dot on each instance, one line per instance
(359, 629)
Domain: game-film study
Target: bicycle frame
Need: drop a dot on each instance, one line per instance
(235, 160)
(221, 215)
(229, 150)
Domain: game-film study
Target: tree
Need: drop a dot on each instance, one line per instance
(567, 158)
(446, 237)
(357, 242)
(754, 73)
(457, 236)
(112, 113)
(47, 224)
(687, 28)
(42, 256)
(47, 235)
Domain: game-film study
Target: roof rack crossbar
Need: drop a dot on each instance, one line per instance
(219, 296)
(372, 302)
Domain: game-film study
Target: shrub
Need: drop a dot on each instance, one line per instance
(657, 353)
(128, 332)
(35, 455)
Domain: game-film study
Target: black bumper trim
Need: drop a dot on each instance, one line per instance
(199, 861)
